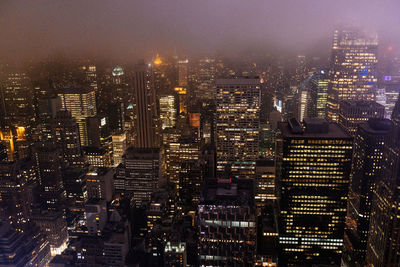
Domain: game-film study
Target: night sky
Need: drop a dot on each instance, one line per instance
(137, 29)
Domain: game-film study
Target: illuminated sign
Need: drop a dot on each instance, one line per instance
(103, 121)
(364, 72)
(388, 78)
(180, 90)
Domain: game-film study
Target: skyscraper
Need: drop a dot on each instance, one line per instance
(368, 164)
(15, 200)
(81, 102)
(146, 115)
(384, 225)
(318, 94)
(353, 113)
(227, 223)
(237, 125)
(183, 72)
(205, 79)
(66, 136)
(265, 183)
(17, 102)
(137, 177)
(313, 173)
(354, 73)
(119, 144)
(185, 150)
(167, 111)
(47, 159)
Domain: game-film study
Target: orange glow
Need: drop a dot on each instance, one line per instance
(11, 142)
(182, 107)
(180, 90)
(20, 133)
(194, 120)
(157, 60)
(390, 48)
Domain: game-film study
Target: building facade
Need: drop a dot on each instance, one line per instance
(237, 125)
(313, 173)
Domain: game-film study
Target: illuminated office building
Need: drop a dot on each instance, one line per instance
(167, 111)
(237, 125)
(265, 182)
(368, 164)
(137, 177)
(352, 113)
(227, 223)
(119, 144)
(205, 79)
(313, 173)
(97, 157)
(303, 105)
(391, 98)
(81, 102)
(146, 115)
(318, 94)
(354, 73)
(185, 150)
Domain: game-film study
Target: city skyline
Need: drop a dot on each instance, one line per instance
(227, 133)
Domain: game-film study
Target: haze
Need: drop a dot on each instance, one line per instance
(134, 29)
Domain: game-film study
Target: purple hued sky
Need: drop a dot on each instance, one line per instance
(133, 29)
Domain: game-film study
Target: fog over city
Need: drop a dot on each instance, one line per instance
(137, 29)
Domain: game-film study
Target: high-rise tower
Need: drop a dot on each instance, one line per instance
(237, 125)
(313, 175)
(368, 163)
(146, 115)
(353, 73)
(81, 102)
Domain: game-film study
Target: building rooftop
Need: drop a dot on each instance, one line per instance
(361, 104)
(238, 80)
(141, 153)
(377, 126)
(313, 128)
(228, 192)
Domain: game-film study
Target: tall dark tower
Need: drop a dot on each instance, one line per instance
(313, 176)
(383, 244)
(368, 163)
(145, 108)
(52, 192)
(66, 135)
